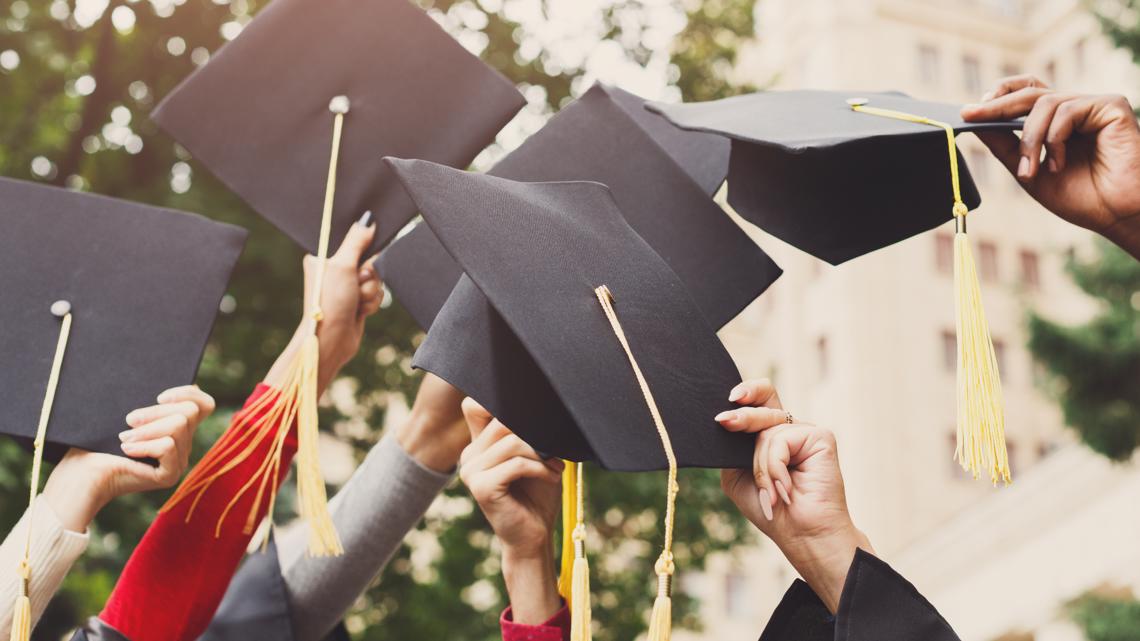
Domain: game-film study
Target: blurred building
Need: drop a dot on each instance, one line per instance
(868, 348)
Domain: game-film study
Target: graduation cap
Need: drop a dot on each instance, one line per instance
(257, 115)
(662, 178)
(841, 174)
(380, 77)
(106, 304)
(599, 351)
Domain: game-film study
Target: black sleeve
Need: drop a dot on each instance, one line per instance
(877, 604)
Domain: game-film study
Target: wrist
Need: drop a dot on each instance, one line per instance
(74, 499)
(532, 585)
(434, 438)
(823, 560)
(1125, 233)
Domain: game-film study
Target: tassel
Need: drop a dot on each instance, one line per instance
(661, 618)
(981, 409)
(981, 419)
(296, 401)
(569, 520)
(22, 619)
(580, 615)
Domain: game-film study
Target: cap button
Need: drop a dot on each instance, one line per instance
(60, 308)
(857, 102)
(339, 105)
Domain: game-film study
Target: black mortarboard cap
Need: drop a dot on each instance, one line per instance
(661, 177)
(257, 115)
(556, 374)
(831, 181)
(143, 285)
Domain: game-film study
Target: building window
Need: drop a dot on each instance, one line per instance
(987, 261)
(949, 350)
(1030, 270)
(737, 602)
(999, 356)
(928, 64)
(821, 356)
(972, 75)
(944, 252)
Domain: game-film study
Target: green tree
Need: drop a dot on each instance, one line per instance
(80, 77)
(1095, 366)
(1106, 618)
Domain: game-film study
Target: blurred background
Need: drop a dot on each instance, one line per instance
(866, 349)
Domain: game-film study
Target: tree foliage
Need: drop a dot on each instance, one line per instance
(1106, 618)
(78, 79)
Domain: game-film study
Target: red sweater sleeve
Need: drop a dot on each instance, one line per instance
(178, 574)
(556, 629)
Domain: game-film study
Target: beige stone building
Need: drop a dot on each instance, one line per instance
(867, 348)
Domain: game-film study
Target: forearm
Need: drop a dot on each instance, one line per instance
(532, 586)
(385, 498)
(824, 561)
(435, 432)
(54, 549)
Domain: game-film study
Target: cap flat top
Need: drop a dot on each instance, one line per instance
(257, 115)
(703, 156)
(597, 139)
(810, 118)
(537, 251)
(144, 285)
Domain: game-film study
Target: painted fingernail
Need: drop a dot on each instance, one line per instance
(783, 492)
(725, 417)
(365, 220)
(126, 435)
(1023, 167)
(766, 503)
(736, 394)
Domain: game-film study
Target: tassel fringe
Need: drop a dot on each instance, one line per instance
(981, 419)
(661, 618)
(22, 619)
(569, 521)
(580, 614)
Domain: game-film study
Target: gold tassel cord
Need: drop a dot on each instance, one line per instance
(980, 405)
(22, 612)
(569, 520)
(277, 411)
(661, 618)
(580, 614)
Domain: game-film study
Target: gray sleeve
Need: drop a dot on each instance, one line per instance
(385, 498)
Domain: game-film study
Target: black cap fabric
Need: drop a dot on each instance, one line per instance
(655, 172)
(554, 371)
(257, 115)
(144, 286)
(829, 180)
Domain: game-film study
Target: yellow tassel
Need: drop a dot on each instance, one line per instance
(297, 400)
(661, 619)
(22, 619)
(981, 419)
(569, 520)
(981, 409)
(580, 615)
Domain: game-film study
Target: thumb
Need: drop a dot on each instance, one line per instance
(357, 240)
(478, 418)
(1004, 145)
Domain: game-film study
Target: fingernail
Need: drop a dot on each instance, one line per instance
(126, 435)
(988, 96)
(1053, 165)
(970, 107)
(736, 394)
(766, 503)
(783, 492)
(128, 446)
(133, 419)
(365, 220)
(1023, 167)
(162, 398)
(725, 417)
